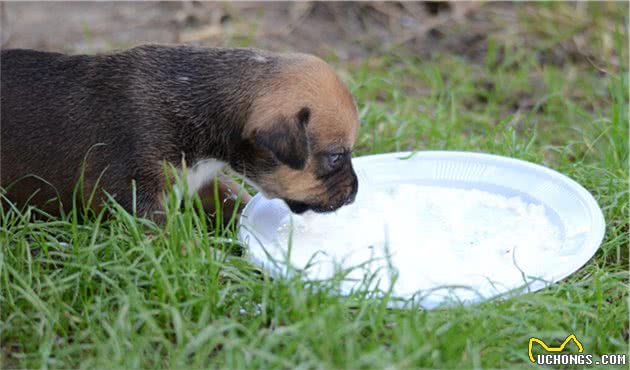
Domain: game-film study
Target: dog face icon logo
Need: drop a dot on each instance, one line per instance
(552, 349)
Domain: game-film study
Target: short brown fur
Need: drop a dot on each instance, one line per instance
(279, 120)
(307, 81)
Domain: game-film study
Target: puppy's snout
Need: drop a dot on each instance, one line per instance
(353, 190)
(350, 199)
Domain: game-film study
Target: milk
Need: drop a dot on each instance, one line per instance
(429, 237)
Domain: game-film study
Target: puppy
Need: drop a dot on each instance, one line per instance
(284, 122)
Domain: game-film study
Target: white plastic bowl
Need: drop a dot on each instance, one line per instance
(568, 206)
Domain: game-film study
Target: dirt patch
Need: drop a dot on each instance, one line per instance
(85, 27)
(345, 30)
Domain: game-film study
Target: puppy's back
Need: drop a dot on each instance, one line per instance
(45, 128)
(130, 110)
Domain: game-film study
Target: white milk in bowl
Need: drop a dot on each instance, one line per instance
(429, 236)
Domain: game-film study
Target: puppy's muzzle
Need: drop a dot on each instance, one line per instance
(353, 190)
(345, 197)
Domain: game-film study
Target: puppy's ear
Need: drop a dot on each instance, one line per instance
(286, 138)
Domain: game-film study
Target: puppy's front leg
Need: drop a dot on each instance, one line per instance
(229, 192)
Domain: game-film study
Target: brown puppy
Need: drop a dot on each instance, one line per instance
(284, 122)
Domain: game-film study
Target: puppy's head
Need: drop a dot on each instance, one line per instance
(301, 132)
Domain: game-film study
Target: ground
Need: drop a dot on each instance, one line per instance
(544, 82)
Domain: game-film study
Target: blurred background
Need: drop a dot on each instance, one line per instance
(345, 30)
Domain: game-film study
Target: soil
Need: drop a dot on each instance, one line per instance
(346, 30)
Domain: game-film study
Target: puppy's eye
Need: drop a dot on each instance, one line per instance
(334, 159)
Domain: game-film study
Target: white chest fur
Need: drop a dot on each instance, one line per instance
(202, 173)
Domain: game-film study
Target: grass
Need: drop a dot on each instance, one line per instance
(121, 292)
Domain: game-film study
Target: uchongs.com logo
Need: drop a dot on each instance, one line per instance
(558, 356)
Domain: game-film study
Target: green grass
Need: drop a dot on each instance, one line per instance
(122, 292)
